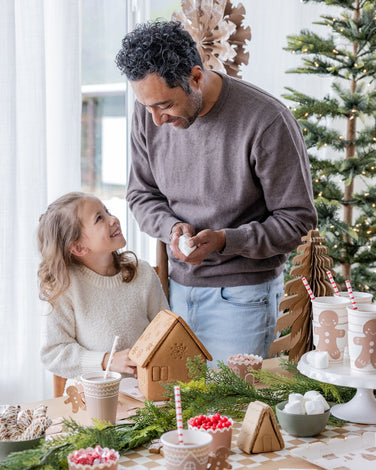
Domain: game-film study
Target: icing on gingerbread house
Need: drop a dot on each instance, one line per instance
(161, 353)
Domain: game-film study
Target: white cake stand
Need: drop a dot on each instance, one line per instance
(362, 407)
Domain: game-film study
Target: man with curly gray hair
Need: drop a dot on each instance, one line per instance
(223, 162)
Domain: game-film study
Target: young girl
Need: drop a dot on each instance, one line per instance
(95, 292)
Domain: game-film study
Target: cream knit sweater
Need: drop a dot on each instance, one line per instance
(92, 311)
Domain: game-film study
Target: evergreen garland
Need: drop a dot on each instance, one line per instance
(343, 179)
(209, 391)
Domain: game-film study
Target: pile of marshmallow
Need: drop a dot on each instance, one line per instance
(311, 403)
(23, 425)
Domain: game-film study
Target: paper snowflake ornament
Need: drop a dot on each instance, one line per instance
(216, 27)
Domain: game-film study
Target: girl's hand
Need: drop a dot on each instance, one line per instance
(120, 362)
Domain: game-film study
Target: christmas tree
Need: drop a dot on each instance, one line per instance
(340, 134)
(313, 263)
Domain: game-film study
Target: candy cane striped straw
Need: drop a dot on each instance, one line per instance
(113, 350)
(349, 290)
(179, 418)
(334, 285)
(309, 290)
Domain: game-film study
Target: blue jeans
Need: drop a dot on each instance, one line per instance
(230, 320)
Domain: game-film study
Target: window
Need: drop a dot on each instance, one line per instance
(107, 106)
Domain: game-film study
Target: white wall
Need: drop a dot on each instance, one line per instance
(271, 21)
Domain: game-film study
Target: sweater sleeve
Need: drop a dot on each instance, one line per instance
(281, 166)
(61, 353)
(149, 206)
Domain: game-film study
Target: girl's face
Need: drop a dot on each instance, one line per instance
(101, 231)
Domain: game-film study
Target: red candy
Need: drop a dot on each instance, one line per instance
(93, 456)
(210, 422)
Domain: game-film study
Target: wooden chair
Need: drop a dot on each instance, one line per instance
(162, 271)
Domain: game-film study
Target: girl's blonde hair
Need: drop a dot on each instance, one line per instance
(59, 227)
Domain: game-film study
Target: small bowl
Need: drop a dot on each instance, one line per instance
(6, 447)
(244, 364)
(221, 437)
(301, 425)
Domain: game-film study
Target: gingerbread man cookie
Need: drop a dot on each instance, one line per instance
(76, 398)
(218, 459)
(368, 343)
(328, 333)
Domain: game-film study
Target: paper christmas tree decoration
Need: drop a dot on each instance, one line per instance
(216, 27)
(260, 431)
(312, 262)
(161, 353)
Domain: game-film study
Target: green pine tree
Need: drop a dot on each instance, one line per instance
(343, 121)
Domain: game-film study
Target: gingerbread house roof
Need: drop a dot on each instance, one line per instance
(156, 333)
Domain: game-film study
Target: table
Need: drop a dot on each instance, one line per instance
(141, 458)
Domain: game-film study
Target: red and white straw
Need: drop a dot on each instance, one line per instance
(334, 285)
(179, 418)
(309, 290)
(349, 290)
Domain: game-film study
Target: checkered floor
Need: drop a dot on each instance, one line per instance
(143, 459)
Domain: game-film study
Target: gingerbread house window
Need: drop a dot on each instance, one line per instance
(159, 373)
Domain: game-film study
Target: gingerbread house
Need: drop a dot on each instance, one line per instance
(260, 431)
(162, 351)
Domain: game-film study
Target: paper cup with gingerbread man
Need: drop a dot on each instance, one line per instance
(330, 326)
(362, 338)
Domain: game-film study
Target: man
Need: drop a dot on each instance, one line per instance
(224, 162)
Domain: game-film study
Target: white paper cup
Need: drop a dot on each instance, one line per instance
(330, 326)
(194, 453)
(359, 297)
(101, 395)
(362, 338)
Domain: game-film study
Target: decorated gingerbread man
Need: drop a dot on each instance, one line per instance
(328, 333)
(75, 398)
(368, 343)
(218, 459)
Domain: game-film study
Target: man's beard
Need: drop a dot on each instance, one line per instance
(196, 101)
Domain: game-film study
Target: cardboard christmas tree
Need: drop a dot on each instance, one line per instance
(312, 262)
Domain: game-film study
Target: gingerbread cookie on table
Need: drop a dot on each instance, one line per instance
(368, 343)
(328, 333)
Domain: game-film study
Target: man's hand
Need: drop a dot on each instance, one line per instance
(179, 229)
(120, 362)
(206, 242)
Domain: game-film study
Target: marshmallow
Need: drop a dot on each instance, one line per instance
(296, 397)
(295, 408)
(319, 359)
(183, 245)
(313, 395)
(314, 407)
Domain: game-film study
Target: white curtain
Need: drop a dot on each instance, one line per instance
(40, 113)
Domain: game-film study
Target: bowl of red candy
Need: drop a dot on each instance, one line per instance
(93, 459)
(219, 427)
